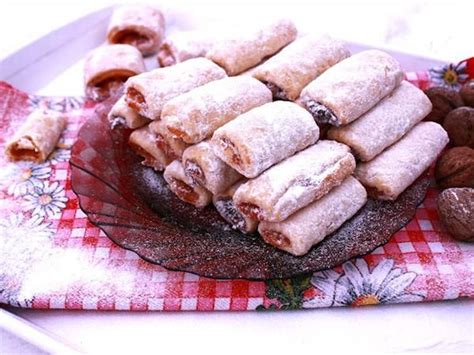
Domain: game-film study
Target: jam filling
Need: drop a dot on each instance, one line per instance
(184, 191)
(132, 38)
(250, 210)
(176, 132)
(136, 100)
(230, 148)
(276, 238)
(321, 113)
(150, 160)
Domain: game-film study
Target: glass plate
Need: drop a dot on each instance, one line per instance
(133, 206)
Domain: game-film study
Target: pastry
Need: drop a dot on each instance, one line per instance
(264, 136)
(203, 167)
(296, 65)
(239, 54)
(351, 87)
(455, 168)
(148, 92)
(295, 182)
(459, 124)
(37, 136)
(107, 68)
(171, 146)
(224, 204)
(140, 26)
(385, 123)
(184, 187)
(122, 115)
(312, 224)
(143, 142)
(456, 212)
(181, 46)
(195, 115)
(391, 172)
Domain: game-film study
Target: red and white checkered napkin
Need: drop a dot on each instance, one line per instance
(51, 256)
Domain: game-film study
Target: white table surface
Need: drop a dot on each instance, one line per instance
(420, 27)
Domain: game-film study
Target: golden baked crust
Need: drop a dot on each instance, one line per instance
(37, 136)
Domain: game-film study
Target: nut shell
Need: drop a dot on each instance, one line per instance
(459, 124)
(444, 100)
(467, 93)
(456, 212)
(455, 168)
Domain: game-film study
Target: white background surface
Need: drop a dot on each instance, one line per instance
(441, 30)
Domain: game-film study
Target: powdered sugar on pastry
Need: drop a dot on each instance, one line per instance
(108, 67)
(122, 114)
(295, 182)
(291, 69)
(264, 136)
(352, 87)
(312, 224)
(385, 123)
(148, 92)
(195, 115)
(205, 168)
(396, 168)
(241, 53)
(138, 25)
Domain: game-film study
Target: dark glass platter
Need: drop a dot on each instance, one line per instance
(134, 208)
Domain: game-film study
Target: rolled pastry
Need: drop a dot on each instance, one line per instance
(181, 46)
(184, 188)
(264, 136)
(312, 224)
(295, 182)
(171, 146)
(203, 167)
(143, 142)
(224, 204)
(296, 65)
(122, 115)
(239, 54)
(37, 136)
(195, 115)
(352, 87)
(140, 26)
(396, 168)
(148, 92)
(385, 123)
(107, 68)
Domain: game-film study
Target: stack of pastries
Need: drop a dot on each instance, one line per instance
(239, 125)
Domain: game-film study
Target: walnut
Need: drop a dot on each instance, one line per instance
(456, 212)
(459, 124)
(455, 168)
(444, 100)
(467, 93)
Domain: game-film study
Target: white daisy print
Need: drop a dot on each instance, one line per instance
(46, 200)
(17, 226)
(59, 155)
(357, 286)
(22, 177)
